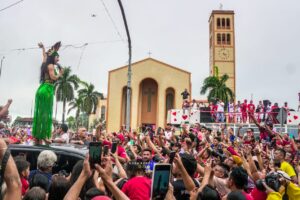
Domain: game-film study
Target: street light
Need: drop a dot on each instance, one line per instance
(129, 68)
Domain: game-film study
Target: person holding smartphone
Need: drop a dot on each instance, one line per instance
(189, 164)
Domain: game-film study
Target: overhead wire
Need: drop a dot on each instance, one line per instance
(112, 20)
(75, 46)
(11, 5)
(81, 54)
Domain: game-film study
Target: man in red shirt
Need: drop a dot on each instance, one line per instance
(138, 187)
(244, 109)
(120, 149)
(251, 110)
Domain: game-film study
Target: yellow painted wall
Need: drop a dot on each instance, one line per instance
(165, 75)
(92, 117)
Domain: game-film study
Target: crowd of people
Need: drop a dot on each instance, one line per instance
(209, 164)
(236, 112)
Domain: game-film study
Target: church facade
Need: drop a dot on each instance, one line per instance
(156, 87)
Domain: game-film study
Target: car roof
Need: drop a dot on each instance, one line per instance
(78, 150)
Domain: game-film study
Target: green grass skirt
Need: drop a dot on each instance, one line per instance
(42, 120)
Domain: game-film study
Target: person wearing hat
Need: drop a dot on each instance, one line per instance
(42, 120)
(120, 139)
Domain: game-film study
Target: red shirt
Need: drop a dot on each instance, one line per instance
(25, 185)
(244, 107)
(258, 195)
(248, 196)
(263, 134)
(138, 188)
(251, 107)
(121, 151)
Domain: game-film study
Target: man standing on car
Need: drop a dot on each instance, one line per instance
(62, 135)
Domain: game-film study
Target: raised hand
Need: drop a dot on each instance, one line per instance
(86, 170)
(40, 45)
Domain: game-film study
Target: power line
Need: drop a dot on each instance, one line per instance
(113, 22)
(81, 54)
(75, 46)
(11, 5)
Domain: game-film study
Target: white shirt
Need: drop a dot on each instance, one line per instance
(168, 134)
(220, 107)
(65, 137)
(195, 106)
(231, 107)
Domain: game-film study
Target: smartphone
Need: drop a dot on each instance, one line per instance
(114, 147)
(105, 150)
(160, 181)
(95, 151)
(172, 156)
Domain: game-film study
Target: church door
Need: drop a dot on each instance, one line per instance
(149, 101)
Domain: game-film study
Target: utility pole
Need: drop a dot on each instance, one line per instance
(1, 64)
(128, 99)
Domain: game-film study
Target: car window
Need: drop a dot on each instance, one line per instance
(29, 154)
(65, 162)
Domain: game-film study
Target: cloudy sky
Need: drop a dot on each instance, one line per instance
(175, 31)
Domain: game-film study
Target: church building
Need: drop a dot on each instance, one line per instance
(156, 87)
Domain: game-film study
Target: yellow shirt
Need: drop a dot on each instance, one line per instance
(274, 196)
(293, 191)
(287, 168)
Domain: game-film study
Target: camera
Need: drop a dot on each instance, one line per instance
(272, 180)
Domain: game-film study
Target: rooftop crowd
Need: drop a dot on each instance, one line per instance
(208, 165)
(237, 112)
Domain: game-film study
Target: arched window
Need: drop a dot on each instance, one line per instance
(103, 109)
(223, 22)
(228, 23)
(170, 97)
(218, 38)
(218, 23)
(223, 38)
(228, 39)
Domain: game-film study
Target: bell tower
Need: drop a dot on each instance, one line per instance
(222, 45)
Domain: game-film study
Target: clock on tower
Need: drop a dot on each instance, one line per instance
(222, 44)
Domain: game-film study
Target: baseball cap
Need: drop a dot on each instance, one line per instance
(237, 160)
(121, 137)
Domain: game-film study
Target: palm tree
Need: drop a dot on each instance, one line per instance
(217, 88)
(76, 103)
(65, 87)
(89, 98)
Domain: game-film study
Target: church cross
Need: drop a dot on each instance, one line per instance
(149, 93)
(149, 53)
